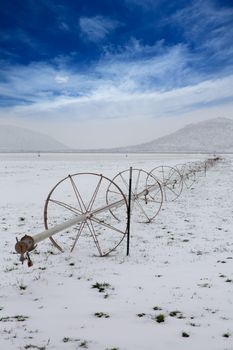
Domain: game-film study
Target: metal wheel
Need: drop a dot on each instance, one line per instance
(85, 193)
(187, 173)
(170, 180)
(199, 168)
(147, 194)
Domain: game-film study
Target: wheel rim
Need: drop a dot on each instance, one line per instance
(83, 193)
(171, 181)
(146, 203)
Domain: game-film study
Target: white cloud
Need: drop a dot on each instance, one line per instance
(207, 25)
(145, 4)
(111, 118)
(61, 79)
(96, 28)
(128, 97)
(137, 69)
(133, 71)
(64, 26)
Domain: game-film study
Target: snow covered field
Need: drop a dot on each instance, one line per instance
(179, 268)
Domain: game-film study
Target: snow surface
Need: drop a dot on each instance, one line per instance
(180, 262)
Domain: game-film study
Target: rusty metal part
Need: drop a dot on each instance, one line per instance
(26, 244)
(147, 194)
(23, 247)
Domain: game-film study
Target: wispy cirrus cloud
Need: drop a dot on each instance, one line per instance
(149, 68)
(203, 19)
(118, 86)
(97, 28)
(145, 4)
(208, 29)
(112, 112)
(18, 35)
(136, 69)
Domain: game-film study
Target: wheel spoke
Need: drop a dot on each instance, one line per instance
(66, 206)
(169, 177)
(78, 195)
(142, 210)
(92, 231)
(124, 182)
(114, 192)
(176, 194)
(153, 195)
(81, 227)
(95, 219)
(137, 182)
(163, 175)
(90, 205)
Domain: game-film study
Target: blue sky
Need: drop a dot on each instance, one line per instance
(114, 72)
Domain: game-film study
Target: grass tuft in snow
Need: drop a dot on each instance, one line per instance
(173, 313)
(156, 308)
(31, 346)
(65, 339)
(185, 335)
(22, 286)
(68, 339)
(176, 314)
(101, 286)
(101, 315)
(194, 324)
(229, 280)
(19, 318)
(160, 318)
(83, 344)
(226, 335)
(9, 269)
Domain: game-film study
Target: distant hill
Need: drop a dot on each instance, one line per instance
(16, 139)
(214, 135)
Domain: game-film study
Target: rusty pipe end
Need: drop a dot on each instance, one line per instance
(20, 247)
(26, 244)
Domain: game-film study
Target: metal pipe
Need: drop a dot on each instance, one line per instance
(77, 219)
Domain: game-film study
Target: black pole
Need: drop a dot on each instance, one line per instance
(129, 209)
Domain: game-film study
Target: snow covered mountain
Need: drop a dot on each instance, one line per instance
(215, 135)
(15, 139)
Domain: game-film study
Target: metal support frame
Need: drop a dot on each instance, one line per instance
(129, 210)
